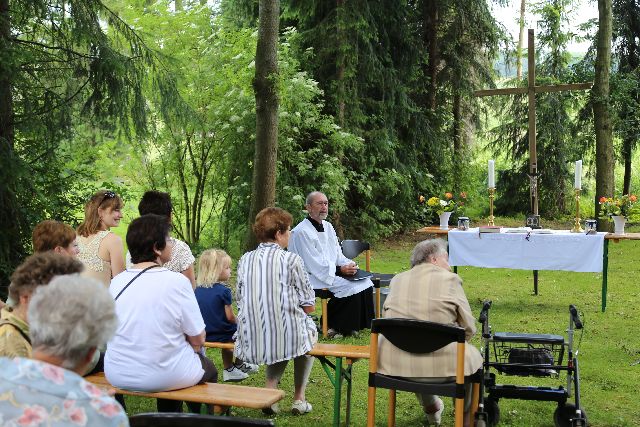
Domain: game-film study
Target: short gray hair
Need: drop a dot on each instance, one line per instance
(311, 196)
(426, 250)
(70, 316)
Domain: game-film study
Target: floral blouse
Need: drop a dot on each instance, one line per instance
(35, 393)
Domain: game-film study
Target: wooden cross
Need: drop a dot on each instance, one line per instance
(531, 90)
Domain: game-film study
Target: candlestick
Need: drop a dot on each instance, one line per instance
(577, 228)
(578, 176)
(492, 176)
(492, 190)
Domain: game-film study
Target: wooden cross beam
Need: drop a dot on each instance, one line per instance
(531, 90)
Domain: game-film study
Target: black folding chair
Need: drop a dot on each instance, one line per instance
(351, 249)
(421, 337)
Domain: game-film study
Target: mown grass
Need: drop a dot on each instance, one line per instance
(608, 349)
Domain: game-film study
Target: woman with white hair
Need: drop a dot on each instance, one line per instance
(429, 291)
(69, 320)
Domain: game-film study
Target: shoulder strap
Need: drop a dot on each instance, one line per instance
(25, 336)
(131, 281)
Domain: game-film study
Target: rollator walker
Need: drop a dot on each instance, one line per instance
(530, 355)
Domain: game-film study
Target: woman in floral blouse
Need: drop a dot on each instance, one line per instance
(48, 389)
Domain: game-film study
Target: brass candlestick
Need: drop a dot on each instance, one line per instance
(576, 222)
(492, 191)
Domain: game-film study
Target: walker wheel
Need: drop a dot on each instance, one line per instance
(564, 414)
(493, 411)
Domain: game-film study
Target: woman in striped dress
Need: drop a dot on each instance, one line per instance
(274, 300)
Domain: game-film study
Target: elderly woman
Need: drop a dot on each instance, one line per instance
(35, 271)
(161, 332)
(429, 291)
(274, 300)
(48, 390)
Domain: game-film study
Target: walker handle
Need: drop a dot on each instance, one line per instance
(575, 317)
(486, 305)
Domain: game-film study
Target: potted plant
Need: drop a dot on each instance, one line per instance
(443, 207)
(618, 209)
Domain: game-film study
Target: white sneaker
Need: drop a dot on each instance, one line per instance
(300, 407)
(247, 368)
(234, 374)
(436, 417)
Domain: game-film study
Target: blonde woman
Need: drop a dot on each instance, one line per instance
(101, 251)
(214, 299)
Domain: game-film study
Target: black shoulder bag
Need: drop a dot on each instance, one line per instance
(131, 281)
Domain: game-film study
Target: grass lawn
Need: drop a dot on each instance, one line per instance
(608, 349)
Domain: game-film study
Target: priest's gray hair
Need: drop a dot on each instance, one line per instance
(71, 316)
(426, 250)
(311, 196)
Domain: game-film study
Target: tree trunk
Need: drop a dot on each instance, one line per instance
(430, 39)
(340, 30)
(6, 100)
(520, 41)
(627, 154)
(601, 113)
(178, 5)
(457, 139)
(265, 88)
(11, 242)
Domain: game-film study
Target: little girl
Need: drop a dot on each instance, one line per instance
(214, 299)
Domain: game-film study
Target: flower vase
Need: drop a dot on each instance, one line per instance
(618, 222)
(444, 220)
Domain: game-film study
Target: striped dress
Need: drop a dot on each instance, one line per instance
(272, 288)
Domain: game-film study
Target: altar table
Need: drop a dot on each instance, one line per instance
(558, 250)
(513, 250)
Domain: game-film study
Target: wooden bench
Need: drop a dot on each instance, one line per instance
(219, 395)
(336, 372)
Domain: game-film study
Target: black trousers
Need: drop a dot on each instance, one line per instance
(210, 376)
(351, 313)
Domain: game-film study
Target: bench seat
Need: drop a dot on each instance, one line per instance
(210, 393)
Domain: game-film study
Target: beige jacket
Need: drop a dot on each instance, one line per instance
(428, 292)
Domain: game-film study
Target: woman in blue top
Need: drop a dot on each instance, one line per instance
(214, 299)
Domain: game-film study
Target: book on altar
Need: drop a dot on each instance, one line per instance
(521, 230)
(489, 228)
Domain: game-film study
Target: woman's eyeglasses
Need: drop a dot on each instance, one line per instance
(107, 195)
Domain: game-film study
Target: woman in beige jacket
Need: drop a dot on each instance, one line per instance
(429, 291)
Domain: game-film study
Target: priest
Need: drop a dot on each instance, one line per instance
(315, 240)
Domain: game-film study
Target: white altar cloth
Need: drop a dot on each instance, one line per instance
(560, 250)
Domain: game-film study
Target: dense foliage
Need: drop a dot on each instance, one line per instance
(376, 108)
(69, 71)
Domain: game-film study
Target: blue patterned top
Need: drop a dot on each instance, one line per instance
(35, 393)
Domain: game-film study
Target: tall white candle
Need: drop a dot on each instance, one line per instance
(492, 176)
(578, 177)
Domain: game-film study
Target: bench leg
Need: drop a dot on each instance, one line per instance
(337, 395)
(349, 379)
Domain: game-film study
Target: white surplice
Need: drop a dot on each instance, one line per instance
(321, 254)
